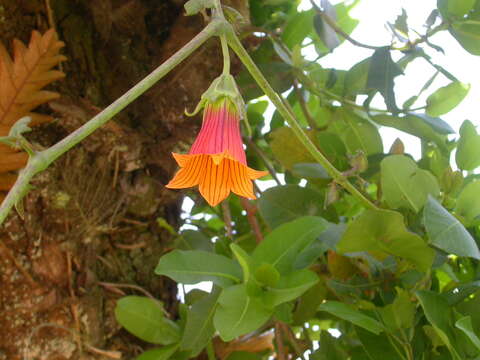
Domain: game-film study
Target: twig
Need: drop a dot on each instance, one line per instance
(279, 342)
(127, 286)
(310, 120)
(227, 219)
(17, 264)
(74, 305)
(252, 219)
(237, 46)
(41, 160)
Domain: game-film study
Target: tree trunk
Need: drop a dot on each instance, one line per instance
(90, 224)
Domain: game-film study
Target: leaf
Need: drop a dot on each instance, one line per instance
(456, 8)
(238, 314)
(438, 313)
(467, 33)
(385, 231)
(404, 184)
(446, 232)
(159, 354)
(298, 27)
(468, 147)
(415, 125)
(193, 7)
(446, 98)
(199, 328)
(243, 259)
(357, 133)
(378, 347)
(308, 303)
(401, 313)
(144, 318)
(291, 287)
(282, 204)
(345, 312)
(194, 266)
(465, 324)
(356, 78)
(193, 240)
(282, 245)
(324, 31)
(329, 350)
(468, 202)
(288, 149)
(381, 75)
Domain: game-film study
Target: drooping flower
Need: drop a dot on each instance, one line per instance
(216, 161)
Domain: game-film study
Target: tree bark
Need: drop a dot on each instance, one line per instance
(90, 224)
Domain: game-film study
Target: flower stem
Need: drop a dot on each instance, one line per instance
(41, 160)
(337, 176)
(226, 55)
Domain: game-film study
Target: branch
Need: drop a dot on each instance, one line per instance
(41, 160)
(336, 175)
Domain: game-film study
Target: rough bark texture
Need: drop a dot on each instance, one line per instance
(90, 223)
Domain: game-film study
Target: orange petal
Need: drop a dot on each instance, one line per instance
(240, 181)
(215, 185)
(182, 159)
(190, 174)
(255, 174)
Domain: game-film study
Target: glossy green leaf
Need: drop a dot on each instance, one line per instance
(468, 202)
(345, 312)
(162, 353)
(199, 328)
(467, 33)
(456, 8)
(404, 185)
(282, 245)
(446, 98)
(267, 275)
(290, 287)
(385, 231)
(144, 318)
(238, 314)
(468, 147)
(193, 240)
(400, 314)
(377, 346)
(438, 314)
(282, 204)
(288, 149)
(381, 75)
(356, 78)
(446, 232)
(194, 266)
(465, 324)
(298, 28)
(308, 303)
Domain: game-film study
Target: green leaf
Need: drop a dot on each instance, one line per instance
(199, 328)
(238, 314)
(385, 231)
(437, 312)
(357, 133)
(193, 7)
(243, 259)
(468, 147)
(415, 125)
(345, 312)
(193, 240)
(404, 184)
(378, 347)
(468, 202)
(194, 266)
(282, 245)
(467, 33)
(446, 98)
(330, 349)
(446, 232)
(400, 314)
(457, 8)
(144, 318)
(282, 204)
(465, 324)
(356, 78)
(324, 31)
(266, 274)
(159, 354)
(288, 149)
(308, 303)
(298, 27)
(381, 75)
(291, 287)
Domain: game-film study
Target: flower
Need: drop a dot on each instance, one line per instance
(216, 161)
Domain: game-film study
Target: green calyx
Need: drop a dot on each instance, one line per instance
(223, 87)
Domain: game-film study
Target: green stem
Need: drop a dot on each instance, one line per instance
(210, 351)
(226, 55)
(41, 160)
(337, 176)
